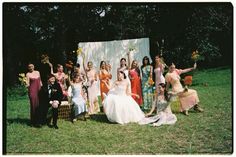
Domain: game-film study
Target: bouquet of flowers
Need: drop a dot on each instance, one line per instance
(79, 50)
(150, 81)
(22, 79)
(195, 56)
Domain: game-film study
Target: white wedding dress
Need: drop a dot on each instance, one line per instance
(121, 108)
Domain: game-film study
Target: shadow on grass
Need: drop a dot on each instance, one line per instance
(19, 121)
(102, 118)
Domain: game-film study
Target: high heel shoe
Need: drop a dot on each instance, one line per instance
(198, 108)
(185, 112)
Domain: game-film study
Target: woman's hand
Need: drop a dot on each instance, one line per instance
(137, 96)
(147, 114)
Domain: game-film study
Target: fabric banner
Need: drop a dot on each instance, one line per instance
(113, 51)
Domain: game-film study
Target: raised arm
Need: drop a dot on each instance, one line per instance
(190, 69)
(129, 60)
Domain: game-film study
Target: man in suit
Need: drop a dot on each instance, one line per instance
(51, 96)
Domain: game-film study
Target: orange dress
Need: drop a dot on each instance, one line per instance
(104, 75)
(187, 99)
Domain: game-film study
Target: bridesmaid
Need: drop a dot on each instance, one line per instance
(188, 98)
(92, 78)
(135, 80)
(147, 89)
(104, 75)
(61, 79)
(34, 85)
(77, 97)
(158, 71)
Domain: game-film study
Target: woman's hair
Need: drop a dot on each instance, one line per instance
(122, 60)
(163, 85)
(75, 76)
(123, 74)
(102, 63)
(145, 58)
(59, 65)
(90, 62)
(78, 65)
(137, 68)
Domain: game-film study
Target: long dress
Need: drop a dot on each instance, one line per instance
(147, 89)
(33, 92)
(122, 109)
(79, 102)
(103, 87)
(92, 93)
(136, 86)
(164, 112)
(187, 99)
(159, 78)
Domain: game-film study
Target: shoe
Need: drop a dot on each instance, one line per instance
(197, 108)
(185, 112)
(56, 127)
(50, 125)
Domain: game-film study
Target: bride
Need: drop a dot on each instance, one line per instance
(120, 107)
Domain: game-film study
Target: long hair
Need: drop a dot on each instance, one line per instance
(123, 74)
(102, 63)
(163, 85)
(137, 67)
(122, 60)
(145, 58)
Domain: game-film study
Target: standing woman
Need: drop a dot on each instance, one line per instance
(92, 79)
(135, 80)
(104, 75)
(34, 85)
(61, 79)
(147, 83)
(159, 70)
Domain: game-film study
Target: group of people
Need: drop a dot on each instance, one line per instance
(123, 101)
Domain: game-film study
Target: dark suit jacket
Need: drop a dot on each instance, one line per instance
(56, 94)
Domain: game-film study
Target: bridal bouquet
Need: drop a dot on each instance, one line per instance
(195, 56)
(22, 79)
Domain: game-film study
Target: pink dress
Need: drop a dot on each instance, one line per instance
(92, 93)
(33, 91)
(187, 99)
(159, 78)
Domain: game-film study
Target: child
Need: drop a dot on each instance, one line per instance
(163, 108)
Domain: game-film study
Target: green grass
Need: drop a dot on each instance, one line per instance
(209, 132)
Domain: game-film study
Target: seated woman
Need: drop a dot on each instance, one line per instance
(188, 99)
(163, 108)
(120, 107)
(77, 98)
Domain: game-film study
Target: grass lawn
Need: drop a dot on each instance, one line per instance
(209, 132)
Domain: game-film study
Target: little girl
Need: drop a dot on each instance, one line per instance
(163, 108)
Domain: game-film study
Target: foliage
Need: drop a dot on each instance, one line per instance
(31, 29)
(199, 133)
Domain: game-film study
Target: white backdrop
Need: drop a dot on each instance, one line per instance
(113, 51)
